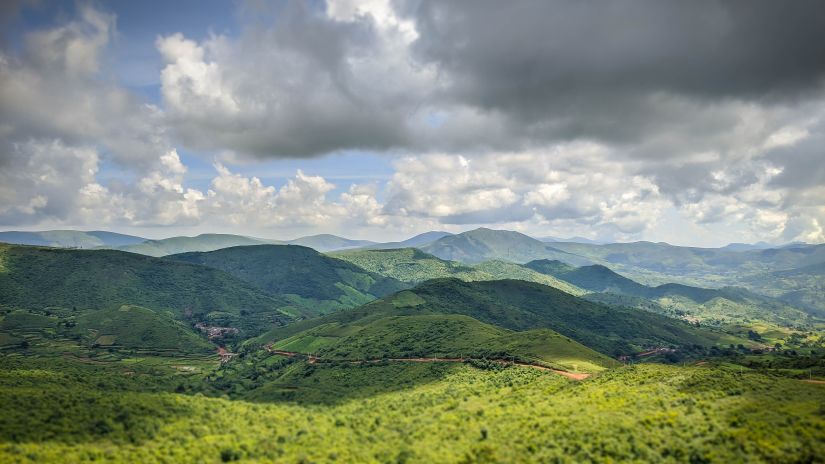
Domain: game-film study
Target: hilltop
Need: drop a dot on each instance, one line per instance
(722, 305)
(70, 238)
(484, 244)
(203, 242)
(89, 280)
(305, 277)
(522, 306)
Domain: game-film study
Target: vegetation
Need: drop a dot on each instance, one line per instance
(722, 307)
(441, 336)
(414, 266)
(70, 238)
(520, 306)
(328, 242)
(133, 327)
(81, 280)
(318, 283)
(203, 242)
(110, 356)
(410, 265)
(802, 287)
(390, 413)
(480, 245)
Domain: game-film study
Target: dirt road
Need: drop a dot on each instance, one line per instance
(313, 359)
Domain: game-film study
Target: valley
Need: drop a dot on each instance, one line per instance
(264, 352)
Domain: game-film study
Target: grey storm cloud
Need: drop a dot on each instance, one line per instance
(522, 56)
(504, 75)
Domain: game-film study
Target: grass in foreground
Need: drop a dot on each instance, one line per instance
(462, 414)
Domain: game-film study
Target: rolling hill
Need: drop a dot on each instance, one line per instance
(410, 265)
(439, 335)
(522, 306)
(657, 263)
(203, 242)
(305, 277)
(328, 242)
(802, 287)
(414, 266)
(483, 244)
(134, 327)
(88, 280)
(722, 305)
(416, 241)
(70, 238)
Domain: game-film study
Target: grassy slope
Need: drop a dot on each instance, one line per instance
(437, 335)
(520, 306)
(438, 413)
(36, 278)
(133, 327)
(318, 282)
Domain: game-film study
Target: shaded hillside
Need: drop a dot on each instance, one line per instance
(34, 277)
(500, 270)
(520, 306)
(484, 244)
(414, 266)
(302, 275)
(727, 304)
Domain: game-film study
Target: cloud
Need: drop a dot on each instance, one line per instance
(557, 117)
(308, 84)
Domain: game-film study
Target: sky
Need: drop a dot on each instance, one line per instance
(696, 123)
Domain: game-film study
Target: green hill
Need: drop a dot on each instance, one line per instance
(722, 305)
(70, 238)
(439, 335)
(203, 242)
(410, 265)
(484, 244)
(319, 283)
(594, 278)
(501, 270)
(414, 266)
(521, 306)
(657, 263)
(328, 242)
(134, 327)
(416, 241)
(802, 287)
(35, 277)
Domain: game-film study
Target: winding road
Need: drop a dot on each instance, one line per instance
(313, 359)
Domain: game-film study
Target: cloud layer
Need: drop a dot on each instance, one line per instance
(554, 117)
